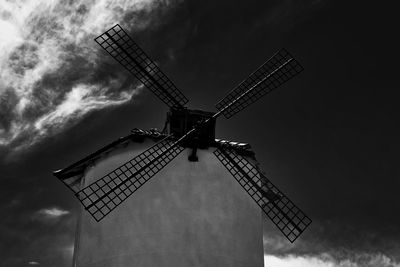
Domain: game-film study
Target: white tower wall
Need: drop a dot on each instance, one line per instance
(189, 214)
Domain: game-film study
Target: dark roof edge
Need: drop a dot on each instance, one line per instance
(243, 148)
(138, 135)
(135, 134)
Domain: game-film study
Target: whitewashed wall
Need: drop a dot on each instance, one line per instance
(189, 214)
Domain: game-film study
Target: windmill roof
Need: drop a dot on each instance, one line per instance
(136, 135)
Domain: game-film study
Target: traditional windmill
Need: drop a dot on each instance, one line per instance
(100, 192)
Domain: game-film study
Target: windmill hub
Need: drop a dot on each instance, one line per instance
(183, 120)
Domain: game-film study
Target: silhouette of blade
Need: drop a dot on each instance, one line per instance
(108, 192)
(289, 219)
(122, 48)
(280, 68)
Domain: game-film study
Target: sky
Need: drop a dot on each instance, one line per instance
(327, 138)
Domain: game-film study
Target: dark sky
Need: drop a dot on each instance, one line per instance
(328, 138)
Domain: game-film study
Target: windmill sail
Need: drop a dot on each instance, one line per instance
(123, 49)
(289, 219)
(280, 68)
(102, 196)
(108, 192)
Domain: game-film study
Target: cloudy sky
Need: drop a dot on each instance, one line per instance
(328, 138)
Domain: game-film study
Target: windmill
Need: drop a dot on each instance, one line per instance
(193, 129)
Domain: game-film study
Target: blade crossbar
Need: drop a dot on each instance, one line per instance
(219, 113)
(266, 81)
(105, 194)
(254, 184)
(142, 167)
(270, 65)
(250, 90)
(143, 70)
(122, 48)
(289, 219)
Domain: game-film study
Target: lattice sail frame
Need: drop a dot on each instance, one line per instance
(123, 49)
(280, 68)
(108, 192)
(104, 195)
(289, 219)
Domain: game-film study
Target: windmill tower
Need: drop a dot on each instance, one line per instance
(194, 213)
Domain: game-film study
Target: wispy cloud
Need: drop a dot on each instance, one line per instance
(50, 214)
(335, 244)
(80, 100)
(293, 261)
(44, 240)
(327, 260)
(51, 71)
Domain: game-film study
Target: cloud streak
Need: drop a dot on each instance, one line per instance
(53, 212)
(50, 214)
(327, 260)
(334, 244)
(51, 71)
